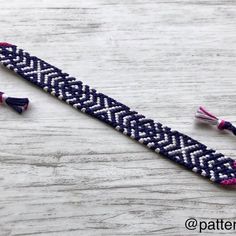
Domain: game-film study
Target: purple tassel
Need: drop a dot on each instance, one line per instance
(17, 104)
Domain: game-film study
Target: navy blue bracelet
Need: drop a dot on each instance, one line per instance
(174, 145)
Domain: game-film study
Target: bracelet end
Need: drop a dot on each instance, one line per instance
(5, 44)
(229, 182)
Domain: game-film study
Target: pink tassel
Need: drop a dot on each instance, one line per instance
(205, 116)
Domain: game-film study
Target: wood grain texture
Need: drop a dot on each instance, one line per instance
(63, 173)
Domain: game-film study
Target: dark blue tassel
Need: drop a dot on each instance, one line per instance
(17, 104)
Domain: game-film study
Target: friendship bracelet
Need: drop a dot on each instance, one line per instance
(171, 144)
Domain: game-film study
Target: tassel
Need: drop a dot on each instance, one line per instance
(205, 116)
(17, 104)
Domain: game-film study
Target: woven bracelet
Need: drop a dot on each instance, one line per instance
(171, 144)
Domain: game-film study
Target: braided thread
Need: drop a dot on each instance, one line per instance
(174, 145)
(229, 126)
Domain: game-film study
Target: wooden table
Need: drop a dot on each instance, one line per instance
(62, 173)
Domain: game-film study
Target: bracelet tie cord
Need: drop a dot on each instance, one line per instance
(171, 144)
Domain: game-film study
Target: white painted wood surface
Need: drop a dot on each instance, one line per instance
(63, 173)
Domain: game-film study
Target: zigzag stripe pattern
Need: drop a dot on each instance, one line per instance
(172, 144)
